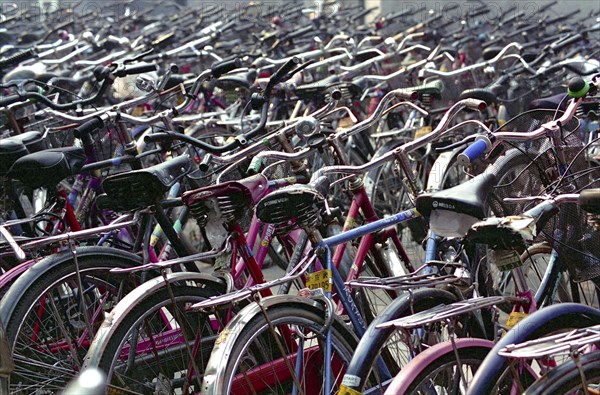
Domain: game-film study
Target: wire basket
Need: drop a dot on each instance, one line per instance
(536, 172)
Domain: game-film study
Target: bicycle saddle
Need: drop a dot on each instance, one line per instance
(252, 188)
(47, 168)
(245, 79)
(550, 102)
(453, 210)
(300, 203)
(487, 95)
(15, 147)
(144, 187)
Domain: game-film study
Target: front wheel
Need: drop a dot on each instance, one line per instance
(144, 345)
(277, 349)
(51, 315)
(567, 378)
(445, 368)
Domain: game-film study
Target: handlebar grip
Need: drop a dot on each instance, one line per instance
(88, 127)
(16, 58)
(137, 69)
(473, 151)
(10, 100)
(589, 200)
(156, 137)
(283, 70)
(255, 165)
(225, 66)
(557, 46)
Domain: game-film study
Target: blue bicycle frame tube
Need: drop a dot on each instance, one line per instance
(371, 227)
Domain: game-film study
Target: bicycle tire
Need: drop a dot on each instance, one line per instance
(22, 310)
(434, 369)
(247, 339)
(566, 378)
(551, 319)
(147, 319)
(358, 374)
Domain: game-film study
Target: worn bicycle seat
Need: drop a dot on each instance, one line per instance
(467, 198)
(487, 95)
(550, 102)
(453, 211)
(245, 79)
(47, 168)
(15, 147)
(141, 188)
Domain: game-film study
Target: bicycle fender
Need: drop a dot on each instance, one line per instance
(228, 335)
(407, 375)
(574, 314)
(368, 346)
(49, 263)
(125, 305)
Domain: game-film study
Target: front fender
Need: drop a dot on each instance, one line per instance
(227, 337)
(125, 305)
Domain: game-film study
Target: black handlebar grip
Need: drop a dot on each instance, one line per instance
(299, 32)
(10, 100)
(225, 66)
(16, 58)
(136, 69)
(156, 137)
(557, 46)
(88, 127)
(589, 200)
(283, 70)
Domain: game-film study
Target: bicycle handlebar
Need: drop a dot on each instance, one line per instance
(577, 89)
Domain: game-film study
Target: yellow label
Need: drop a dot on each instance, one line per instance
(345, 123)
(320, 279)
(424, 131)
(350, 223)
(137, 111)
(514, 318)
(347, 391)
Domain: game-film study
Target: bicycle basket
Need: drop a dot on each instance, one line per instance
(531, 169)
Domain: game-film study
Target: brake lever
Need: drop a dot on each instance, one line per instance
(297, 69)
(138, 57)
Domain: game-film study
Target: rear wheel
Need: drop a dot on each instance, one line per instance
(567, 378)
(55, 319)
(148, 351)
(264, 357)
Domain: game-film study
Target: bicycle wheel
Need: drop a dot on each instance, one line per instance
(567, 377)
(258, 350)
(50, 322)
(144, 345)
(549, 278)
(445, 368)
(552, 319)
(387, 342)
